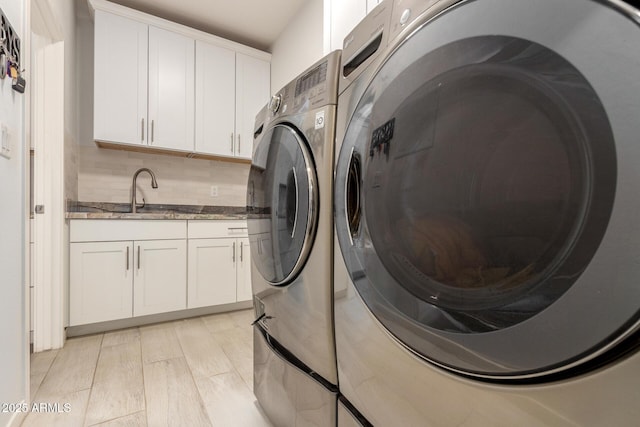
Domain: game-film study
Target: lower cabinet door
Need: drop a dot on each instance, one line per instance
(243, 284)
(160, 276)
(101, 279)
(212, 271)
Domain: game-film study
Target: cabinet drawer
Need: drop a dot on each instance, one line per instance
(216, 229)
(101, 230)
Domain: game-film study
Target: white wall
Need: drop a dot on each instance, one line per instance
(13, 347)
(299, 45)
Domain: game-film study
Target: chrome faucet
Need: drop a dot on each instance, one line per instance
(154, 184)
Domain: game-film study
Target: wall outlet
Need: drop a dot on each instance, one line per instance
(214, 191)
(5, 143)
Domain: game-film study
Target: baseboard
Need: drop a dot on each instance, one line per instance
(93, 328)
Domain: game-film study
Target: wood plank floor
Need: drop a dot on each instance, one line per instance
(192, 372)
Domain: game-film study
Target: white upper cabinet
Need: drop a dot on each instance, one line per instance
(215, 99)
(253, 84)
(152, 102)
(231, 88)
(163, 86)
(120, 87)
(171, 90)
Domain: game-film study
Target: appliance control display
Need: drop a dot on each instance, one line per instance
(311, 79)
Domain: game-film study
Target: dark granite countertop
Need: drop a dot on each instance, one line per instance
(104, 210)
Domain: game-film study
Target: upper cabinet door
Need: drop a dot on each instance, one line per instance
(253, 87)
(215, 99)
(171, 90)
(120, 79)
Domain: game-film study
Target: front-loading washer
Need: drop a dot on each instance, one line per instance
(485, 194)
(290, 226)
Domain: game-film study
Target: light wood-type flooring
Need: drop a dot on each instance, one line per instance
(192, 372)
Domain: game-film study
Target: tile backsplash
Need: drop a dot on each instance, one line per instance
(105, 175)
(70, 167)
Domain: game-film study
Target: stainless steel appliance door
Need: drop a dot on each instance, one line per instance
(282, 204)
(484, 181)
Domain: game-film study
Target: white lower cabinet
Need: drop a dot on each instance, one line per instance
(243, 272)
(219, 263)
(160, 277)
(212, 272)
(126, 268)
(101, 280)
(117, 280)
(120, 269)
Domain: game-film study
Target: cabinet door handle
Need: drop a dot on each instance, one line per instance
(234, 252)
(138, 257)
(127, 258)
(241, 251)
(239, 144)
(142, 128)
(152, 132)
(237, 228)
(232, 142)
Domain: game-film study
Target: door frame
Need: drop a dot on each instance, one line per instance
(46, 125)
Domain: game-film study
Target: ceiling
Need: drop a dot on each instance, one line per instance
(256, 23)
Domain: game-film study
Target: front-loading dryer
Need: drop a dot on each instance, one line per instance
(486, 190)
(290, 226)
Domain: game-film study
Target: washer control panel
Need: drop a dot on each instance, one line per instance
(310, 87)
(315, 88)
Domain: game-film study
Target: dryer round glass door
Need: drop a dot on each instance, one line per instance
(484, 183)
(282, 204)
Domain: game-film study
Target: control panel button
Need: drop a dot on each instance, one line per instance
(406, 14)
(274, 103)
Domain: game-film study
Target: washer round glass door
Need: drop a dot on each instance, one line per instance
(282, 204)
(479, 195)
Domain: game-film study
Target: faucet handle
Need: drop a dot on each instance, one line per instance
(140, 206)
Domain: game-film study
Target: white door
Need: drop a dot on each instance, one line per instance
(253, 88)
(243, 282)
(120, 76)
(171, 90)
(160, 277)
(215, 99)
(101, 277)
(212, 272)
